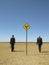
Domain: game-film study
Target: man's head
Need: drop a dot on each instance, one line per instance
(39, 37)
(12, 36)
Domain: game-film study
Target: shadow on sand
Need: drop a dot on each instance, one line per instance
(45, 52)
(18, 51)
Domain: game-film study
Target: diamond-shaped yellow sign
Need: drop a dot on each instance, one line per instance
(26, 26)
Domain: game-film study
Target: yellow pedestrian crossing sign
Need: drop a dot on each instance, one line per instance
(26, 26)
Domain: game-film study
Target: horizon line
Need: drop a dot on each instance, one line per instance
(23, 42)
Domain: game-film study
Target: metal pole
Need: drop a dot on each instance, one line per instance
(26, 42)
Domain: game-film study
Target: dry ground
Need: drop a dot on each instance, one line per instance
(19, 56)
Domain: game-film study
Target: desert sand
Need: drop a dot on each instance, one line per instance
(18, 57)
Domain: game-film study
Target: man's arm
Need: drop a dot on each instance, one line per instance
(14, 40)
(10, 41)
(41, 41)
(37, 41)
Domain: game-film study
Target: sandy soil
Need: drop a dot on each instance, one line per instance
(18, 57)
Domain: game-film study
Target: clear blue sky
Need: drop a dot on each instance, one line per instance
(15, 13)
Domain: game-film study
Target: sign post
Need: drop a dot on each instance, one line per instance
(26, 27)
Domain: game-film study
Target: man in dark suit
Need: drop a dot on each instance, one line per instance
(12, 42)
(39, 43)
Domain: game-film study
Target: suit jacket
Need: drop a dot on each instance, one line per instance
(39, 41)
(12, 41)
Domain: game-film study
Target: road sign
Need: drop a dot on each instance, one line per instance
(26, 26)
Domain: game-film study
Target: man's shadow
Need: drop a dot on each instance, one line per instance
(18, 51)
(45, 52)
